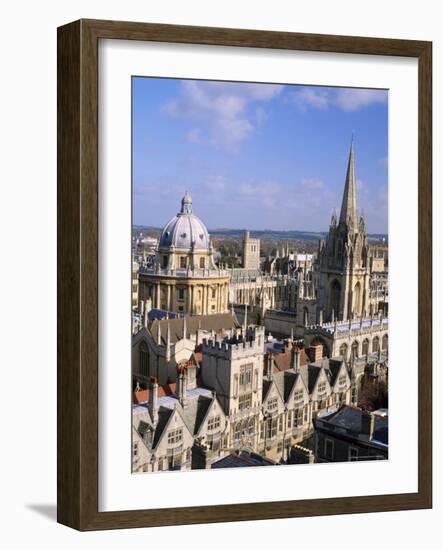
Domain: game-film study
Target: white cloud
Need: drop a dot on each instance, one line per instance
(193, 136)
(215, 184)
(312, 184)
(317, 98)
(224, 108)
(352, 99)
(345, 99)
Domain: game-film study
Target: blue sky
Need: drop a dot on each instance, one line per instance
(256, 156)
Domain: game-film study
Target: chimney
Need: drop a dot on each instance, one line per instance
(315, 352)
(367, 423)
(153, 400)
(191, 375)
(184, 327)
(295, 359)
(269, 365)
(168, 343)
(180, 388)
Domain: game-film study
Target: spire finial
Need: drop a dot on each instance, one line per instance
(348, 213)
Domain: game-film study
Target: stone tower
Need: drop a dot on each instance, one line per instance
(251, 252)
(344, 258)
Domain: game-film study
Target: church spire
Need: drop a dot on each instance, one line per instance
(348, 213)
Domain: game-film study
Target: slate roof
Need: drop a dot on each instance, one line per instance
(284, 382)
(193, 414)
(217, 322)
(333, 370)
(164, 414)
(350, 419)
(241, 460)
(310, 373)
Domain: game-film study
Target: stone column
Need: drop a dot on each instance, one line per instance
(157, 296)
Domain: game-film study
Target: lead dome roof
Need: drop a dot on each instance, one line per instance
(185, 229)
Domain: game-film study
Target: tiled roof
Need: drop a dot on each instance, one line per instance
(142, 396)
(282, 361)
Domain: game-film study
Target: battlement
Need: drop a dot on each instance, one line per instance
(355, 326)
(237, 345)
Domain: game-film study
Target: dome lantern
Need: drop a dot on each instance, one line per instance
(186, 204)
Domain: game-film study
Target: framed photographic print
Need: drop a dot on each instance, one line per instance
(244, 275)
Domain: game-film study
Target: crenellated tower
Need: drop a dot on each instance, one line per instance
(343, 258)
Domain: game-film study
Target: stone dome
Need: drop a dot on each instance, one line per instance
(185, 230)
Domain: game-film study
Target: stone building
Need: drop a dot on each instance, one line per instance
(379, 258)
(351, 434)
(170, 430)
(344, 258)
(351, 339)
(233, 368)
(251, 252)
(184, 277)
(163, 343)
(135, 286)
(239, 399)
(260, 291)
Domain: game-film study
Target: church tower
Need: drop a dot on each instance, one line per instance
(344, 258)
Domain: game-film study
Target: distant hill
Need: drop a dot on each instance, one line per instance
(269, 234)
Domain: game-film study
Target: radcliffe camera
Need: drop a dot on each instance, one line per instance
(260, 295)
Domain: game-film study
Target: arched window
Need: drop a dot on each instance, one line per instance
(334, 300)
(365, 347)
(357, 299)
(384, 342)
(375, 344)
(354, 348)
(344, 351)
(144, 359)
(305, 316)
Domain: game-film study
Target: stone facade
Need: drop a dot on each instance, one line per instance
(183, 277)
(251, 252)
(243, 402)
(344, 259)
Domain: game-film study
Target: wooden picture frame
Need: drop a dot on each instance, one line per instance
(78, 273)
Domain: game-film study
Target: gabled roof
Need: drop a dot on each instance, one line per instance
(164, 416)
(335, 366)
(284, 382)
(267, 385)
(195, 412)
(310, 374)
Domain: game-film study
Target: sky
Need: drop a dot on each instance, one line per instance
(256, 156)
